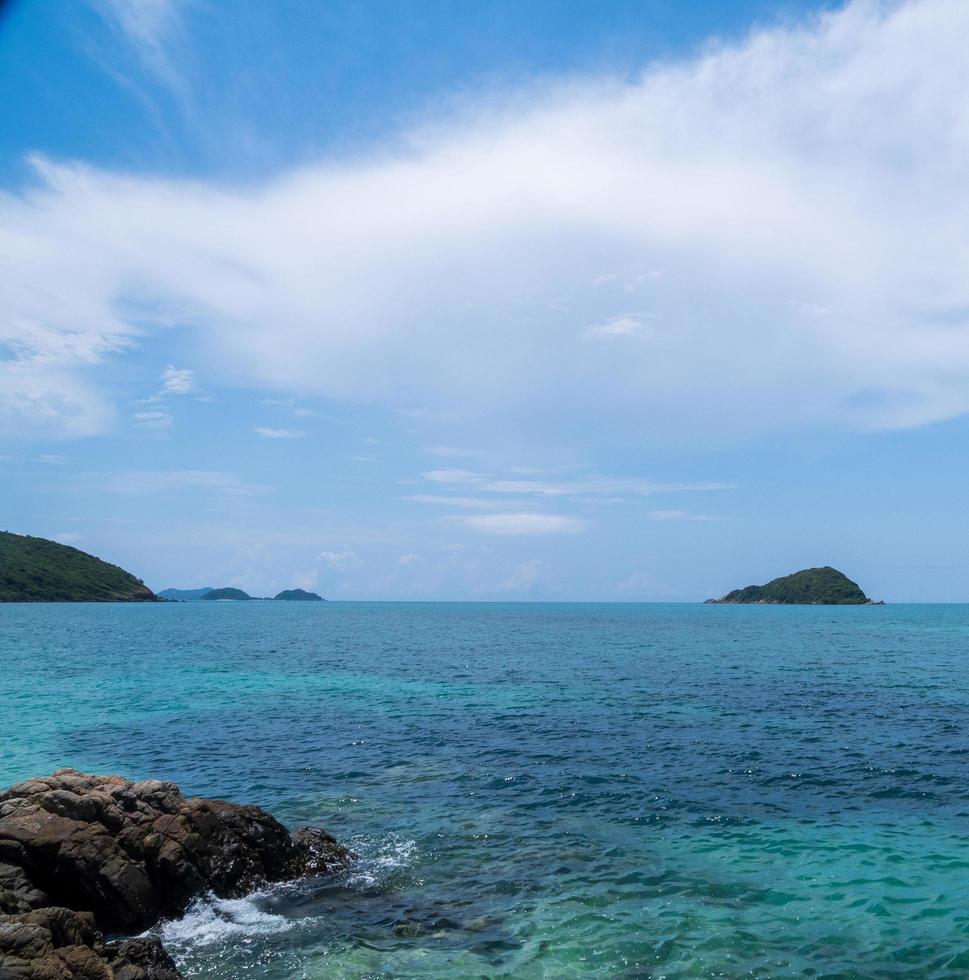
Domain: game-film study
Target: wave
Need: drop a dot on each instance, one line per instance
(211, 920)
(378, 860)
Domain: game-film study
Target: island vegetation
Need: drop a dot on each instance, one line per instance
(227, 593)
(37, 570)
(299, 595)
(184, 595)
(824, 586)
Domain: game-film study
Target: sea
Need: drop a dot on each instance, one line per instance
(539, 790)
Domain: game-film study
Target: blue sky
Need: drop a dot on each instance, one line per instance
(488, 300)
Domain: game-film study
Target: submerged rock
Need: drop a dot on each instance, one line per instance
(82, 853)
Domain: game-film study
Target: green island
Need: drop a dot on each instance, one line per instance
(37, 570)
(227, 593)
(299, 595)
(811, 587)
(184, 595)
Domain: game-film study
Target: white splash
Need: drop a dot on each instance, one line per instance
(379, 858)
(211, 920)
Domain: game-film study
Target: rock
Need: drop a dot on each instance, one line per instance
(61, 944)
(82, 853)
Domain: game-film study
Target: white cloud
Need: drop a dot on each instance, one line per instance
(788, 173)
(178, 381)
(618, 326)
(520, 524)
(50, 459)
(264, 432)
(346, 560)
(44, 403)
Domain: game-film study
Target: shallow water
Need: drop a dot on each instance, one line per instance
(540, 790)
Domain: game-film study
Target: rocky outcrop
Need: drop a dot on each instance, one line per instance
(82, 853)
(61, 944)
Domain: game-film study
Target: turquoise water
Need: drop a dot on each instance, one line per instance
(540, 790)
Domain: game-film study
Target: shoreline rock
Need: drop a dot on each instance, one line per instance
(82, 854)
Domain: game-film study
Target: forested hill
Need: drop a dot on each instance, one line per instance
(38, 570)
(811, 586)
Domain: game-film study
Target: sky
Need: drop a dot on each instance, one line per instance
(640, 300)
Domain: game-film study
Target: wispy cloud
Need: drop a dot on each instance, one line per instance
(452, 452)
(170, 481)
(618, 326)
(347, 559)
(680, 515)
(149, 26)
(471, 503)
(296, 410)
(178, 381)
(453, 476)
(520, 524)
(264, 432)
(585, 486)
(153, 419)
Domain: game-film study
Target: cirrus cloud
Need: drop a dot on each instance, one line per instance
(519, 524)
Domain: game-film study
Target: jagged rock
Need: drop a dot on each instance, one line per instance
(79, 853)
(61, 944)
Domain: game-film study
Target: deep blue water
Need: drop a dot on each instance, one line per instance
(540, 790)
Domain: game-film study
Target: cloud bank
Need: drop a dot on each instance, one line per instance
(766, 237)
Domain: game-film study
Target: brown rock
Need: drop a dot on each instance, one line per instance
(80, 853)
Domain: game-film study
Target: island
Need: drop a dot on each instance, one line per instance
(227, 593)
(184, 595)
(37, 570)
(811, 587)
(299, 595)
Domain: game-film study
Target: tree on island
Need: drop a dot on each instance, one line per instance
(824, 586)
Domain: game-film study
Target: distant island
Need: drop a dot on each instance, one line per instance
(299, 595)
(237, 595)
(228, 593)
(37, 570)
(185, 595)
(810, 587)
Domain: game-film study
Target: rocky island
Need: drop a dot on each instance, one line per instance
(38, 570)
(81, 855)
(811, 586)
